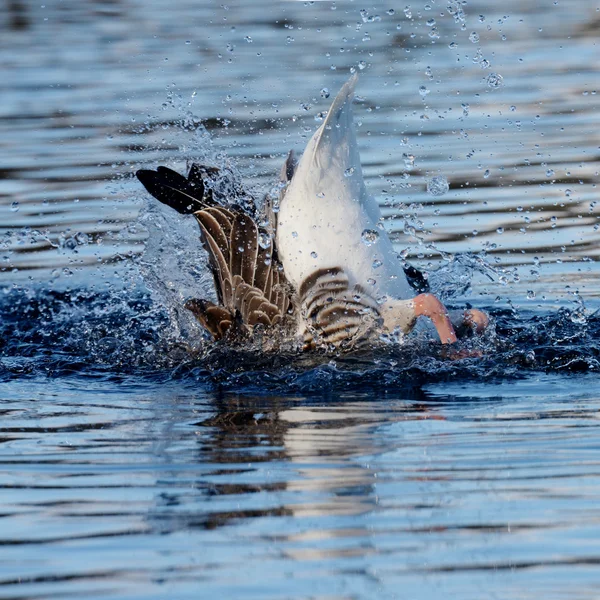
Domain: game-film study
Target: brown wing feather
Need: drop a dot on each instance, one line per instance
(264, 263)
(243, 248)
(260, 317)
(215, 319)
(224, 217)
(254, 302)
(270, 310)
(250, 285)
(246, 301)
(215, 230)
(268, 289)
(220, 268)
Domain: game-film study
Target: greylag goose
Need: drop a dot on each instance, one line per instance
(313, 262)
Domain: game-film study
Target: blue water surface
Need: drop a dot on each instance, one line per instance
(137, 460)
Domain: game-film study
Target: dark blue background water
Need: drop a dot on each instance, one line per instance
(137, 461)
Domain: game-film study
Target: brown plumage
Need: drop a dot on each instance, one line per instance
(249, 281)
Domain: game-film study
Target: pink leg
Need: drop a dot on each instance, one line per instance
(427, 305)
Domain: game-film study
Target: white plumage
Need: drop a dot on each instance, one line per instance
(327, 218)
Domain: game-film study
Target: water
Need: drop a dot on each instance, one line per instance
(138, 461)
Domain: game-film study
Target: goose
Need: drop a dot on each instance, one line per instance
(312, 263)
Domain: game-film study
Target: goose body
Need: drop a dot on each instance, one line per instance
(320, 268)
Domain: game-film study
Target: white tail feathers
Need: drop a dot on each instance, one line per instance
(338, 123)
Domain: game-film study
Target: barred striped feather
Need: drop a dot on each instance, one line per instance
(336, 314)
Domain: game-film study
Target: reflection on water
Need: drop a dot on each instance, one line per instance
(137, 463)
(141, 493)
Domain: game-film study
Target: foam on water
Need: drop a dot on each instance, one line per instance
(125, 332)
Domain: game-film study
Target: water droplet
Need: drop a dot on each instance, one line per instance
(568, 193)
(437, 186)
(377, 263)
(264, 240)
(474, 37)
(423, 91)
(371, 281)
(500, 230)
(495, 80)
(362, 64)
(14, 206)
(348, 172)
(370, 236)
(530, 294)
(325, 93)
(294, 234)
(313, 254)
(409, 161)
(391, 12)
(455, 9)
(431, 22)
(82, 238)
(486, 174)
(550, 173)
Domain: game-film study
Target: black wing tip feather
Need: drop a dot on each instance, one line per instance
(173, 189)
